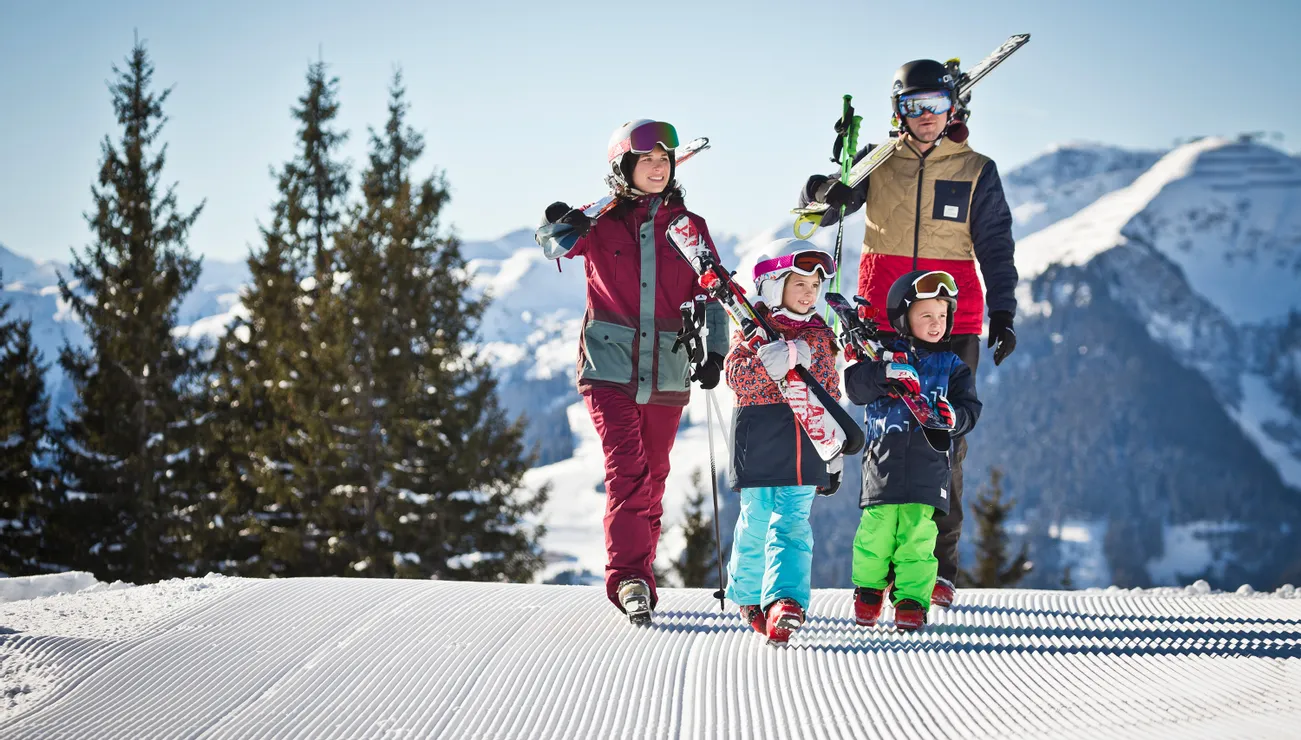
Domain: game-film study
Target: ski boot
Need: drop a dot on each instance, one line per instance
(867, 606)
(784, 617)
(752, 615)
(909, 616)
(635, 596)
(942, 594)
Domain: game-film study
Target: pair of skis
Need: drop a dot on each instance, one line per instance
(832, 430)
(859, 335)
(811, 215)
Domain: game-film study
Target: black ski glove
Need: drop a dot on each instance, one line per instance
(560, 213)
(834, 193)
(708, 372)
(829, 190)
(1002, 338)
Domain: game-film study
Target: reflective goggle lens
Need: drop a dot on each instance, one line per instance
(806, 263)
(913, 106)
(930, 285)
(644, 138)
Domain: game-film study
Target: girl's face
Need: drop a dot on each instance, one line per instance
(928, 318)
(651, 175)
(801, 292)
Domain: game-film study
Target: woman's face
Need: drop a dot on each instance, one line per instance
(651, 175)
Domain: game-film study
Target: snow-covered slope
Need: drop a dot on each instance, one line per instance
(325, 658)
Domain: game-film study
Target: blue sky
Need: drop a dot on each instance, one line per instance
(517, 99)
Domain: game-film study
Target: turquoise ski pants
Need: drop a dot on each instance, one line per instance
(772, 550)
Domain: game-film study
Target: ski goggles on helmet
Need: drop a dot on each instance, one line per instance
(804, 263)
(643, 139)
(931, 101)
(932, 284)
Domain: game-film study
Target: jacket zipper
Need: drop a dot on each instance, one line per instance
(917, 215)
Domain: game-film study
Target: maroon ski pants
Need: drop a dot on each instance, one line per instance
(636, 439)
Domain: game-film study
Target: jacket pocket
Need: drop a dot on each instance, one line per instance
(608, 352)
(674, 367)
(952, 197)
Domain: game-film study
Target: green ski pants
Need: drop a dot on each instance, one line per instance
(902, 534)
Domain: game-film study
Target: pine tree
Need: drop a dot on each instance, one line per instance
(697, 566)
(278, 370)
(25, 482)
(430, 483)
(128, 455)
(992, 569)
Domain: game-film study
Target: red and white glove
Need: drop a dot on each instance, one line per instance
(945, 410)
(900, 378)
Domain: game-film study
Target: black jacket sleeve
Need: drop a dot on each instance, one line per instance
(991, 233)
(962, 397)
(860, 192)
(865, 381)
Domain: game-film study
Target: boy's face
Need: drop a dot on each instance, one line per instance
(801, 292)
(928, 318)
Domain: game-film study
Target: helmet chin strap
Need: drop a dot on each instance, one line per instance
(784, 311)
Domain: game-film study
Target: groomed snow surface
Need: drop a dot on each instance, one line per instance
(314, 658)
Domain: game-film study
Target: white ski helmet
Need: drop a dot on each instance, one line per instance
(635, 138)
(783, 257)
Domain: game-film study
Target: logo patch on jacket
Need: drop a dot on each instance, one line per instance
(952, 200)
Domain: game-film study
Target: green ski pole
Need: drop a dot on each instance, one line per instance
(846, 147)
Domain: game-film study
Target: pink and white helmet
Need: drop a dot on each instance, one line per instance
(789, 255)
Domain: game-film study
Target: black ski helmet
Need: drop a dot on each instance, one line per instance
(901, 296)
(921, 75)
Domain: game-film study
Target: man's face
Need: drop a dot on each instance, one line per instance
(927, 126)
(926, 113)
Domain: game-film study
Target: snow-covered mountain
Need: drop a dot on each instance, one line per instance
(31, 287)
(1155, 399)
(370, 658)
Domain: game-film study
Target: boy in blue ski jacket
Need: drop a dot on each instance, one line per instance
(774, 463)
(905, 480)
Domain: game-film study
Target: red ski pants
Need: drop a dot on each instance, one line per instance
(636, 439)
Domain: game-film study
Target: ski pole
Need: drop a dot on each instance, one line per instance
(713, 482)
(847, 146)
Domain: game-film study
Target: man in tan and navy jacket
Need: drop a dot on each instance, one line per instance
(935, 204)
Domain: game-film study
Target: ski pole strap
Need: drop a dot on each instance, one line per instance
(812, 220)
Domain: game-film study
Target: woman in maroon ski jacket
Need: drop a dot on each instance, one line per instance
(633, 384)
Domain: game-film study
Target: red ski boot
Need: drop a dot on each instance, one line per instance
(867, 606)
(942, 594)
(784, 617)
(752, 615)
(909, 616)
